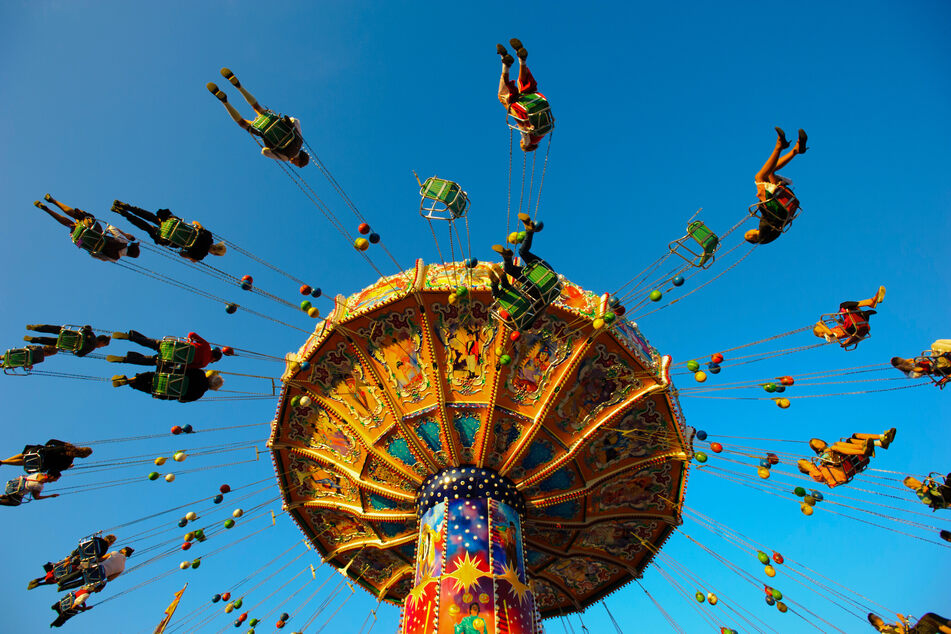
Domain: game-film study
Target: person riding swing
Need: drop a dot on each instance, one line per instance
(193, 241)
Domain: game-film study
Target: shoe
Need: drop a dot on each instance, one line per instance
(47, 198)
(33, 326)
(783, 143)
(227, 74)
(508, 60)
(111, 358)
(28, 338)
(817, 445)
(501, 50)
(33, 583)
(801, 146)
(911, 482)
(120, 335)
(527, 221)
(213, 89)
(37, 203)
(869, 447)
(804, 466)
(880, 295)
(119, 380)
(887, 438)
(522, 54)
(945, 535)
(516, 43)
(505, 253)
(876, 621)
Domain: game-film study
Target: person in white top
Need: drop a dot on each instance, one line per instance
(18, 488)
(110, 566)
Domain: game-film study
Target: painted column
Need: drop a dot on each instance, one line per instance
(470, 568)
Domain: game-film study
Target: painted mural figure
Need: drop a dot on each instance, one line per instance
(472, 624)
(510, 543)
(530, 374)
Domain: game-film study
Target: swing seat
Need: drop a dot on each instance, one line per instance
(32, 462)
(521, 310)
(20, 358)
(708, 242)
(87, 550)
(16, 486)
(173, 350)
(61, 569)
(861, 330)
(447, 200)
(279, 134)
(70, 339)
(538, 115)
(94, 575)
(66, 604)
(779, 210)
(545, 280)
(180, 233)
(939, 364)
(88, 239)
(169, 386)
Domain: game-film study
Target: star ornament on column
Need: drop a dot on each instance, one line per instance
(416, 594)
(467, 573)
(519, 589)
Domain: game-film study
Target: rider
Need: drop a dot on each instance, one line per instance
(98, 547)
(852, 322)
(115, 243)
(281, 134)
(73, 603)
(111, 566)
(203, 355)
(522, 99)
(55, 455)
(193, 241)
(937, 496)
(20, 486)
(87, 342)
(526, 255)
(930, 623)
(198, 383)
(774, 218)
(837, 464)
(26, 357)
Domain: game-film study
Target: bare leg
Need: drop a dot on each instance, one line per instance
(66, 222)
(765, 172)
(848, 448)
(258, 108)
(874, 301)
(223, 98)
(505, 90)
(78, 214)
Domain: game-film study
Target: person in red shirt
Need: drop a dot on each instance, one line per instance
(851, 321)
(204, 353)
(522, 100)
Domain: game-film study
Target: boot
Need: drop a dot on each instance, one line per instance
(887, 438)
(227, 74)
(505, 253)
(801, 145)
(120, 335)
(119, 380)
(783, 143)
(213, 89)
(111, 358)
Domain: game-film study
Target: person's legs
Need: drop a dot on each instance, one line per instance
(78, 214)
(508, 93)
(227, 74)
(765, 173)
(43, 341)
(142, 340)
(525, 249)
(14, 461)
(66, 222)
(134, 358)
(526, 82)
(851, 449)
(139, 223)
(223, 98)
(47, 328)
(873, 301)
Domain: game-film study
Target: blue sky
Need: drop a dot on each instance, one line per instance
(660, 111)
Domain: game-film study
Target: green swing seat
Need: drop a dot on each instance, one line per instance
(20, 358)
(705, 238)
(89, 239)
(538, 113)
(69, 340)
(177, 351)
(279, 134)
(448, 200)
(180, 233)
(169, 386)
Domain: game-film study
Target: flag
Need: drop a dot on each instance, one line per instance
(169, 611)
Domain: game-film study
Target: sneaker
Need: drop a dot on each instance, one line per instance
(47, 198)
(501, 50)
(111, 358)
(33, 583)
(227, 74)
(213, 89)
(817, 445)
(120, 335)
(783, 143)
(522, 54)
(33, 326)
(527, 221)
(505, 253)
(876, 621)
(887, 438)
(119, 380)
(869, 447)
(516, 43)
(801, 145)
(28, 338)
(880, 295)
(508, 60)
(911, 482)
(38, 204)
(804, 466)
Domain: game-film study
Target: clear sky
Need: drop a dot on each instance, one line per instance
(661, 109)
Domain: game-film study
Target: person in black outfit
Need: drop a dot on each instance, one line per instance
(199, 382)
(525, 253)
(55, 456)
(90, 341)
(151, 223)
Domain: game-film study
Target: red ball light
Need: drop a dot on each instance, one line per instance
(364, 228)
(247, 278)
(786, 380)
(515, 335)
(227, 351)
(619, 310)
(224, 488)
(716, 447)
(778, 558)
(504, 314)
(186, 545)
(226, 596)
(305, 289)
(176, 430)
(717, 358)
